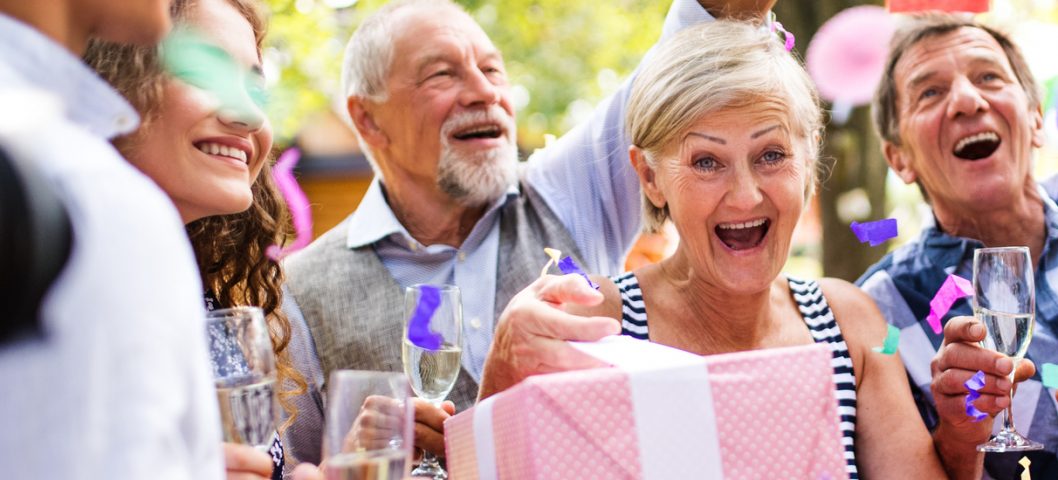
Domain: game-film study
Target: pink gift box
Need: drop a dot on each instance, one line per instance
(774, 411)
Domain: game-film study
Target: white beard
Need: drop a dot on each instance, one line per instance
(482, 177)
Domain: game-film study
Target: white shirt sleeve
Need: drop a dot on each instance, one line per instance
(586, 179)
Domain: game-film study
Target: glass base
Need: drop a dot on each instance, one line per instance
(1009, 441)
(430, 469)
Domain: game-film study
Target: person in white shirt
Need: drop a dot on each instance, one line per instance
(117, 384)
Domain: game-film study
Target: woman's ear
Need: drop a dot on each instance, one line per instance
(647, 176)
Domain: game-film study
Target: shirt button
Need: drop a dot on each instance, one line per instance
(413, 246)
(462, 256)
(123, 122)
(475, 323)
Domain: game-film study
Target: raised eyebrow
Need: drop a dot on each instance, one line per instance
(919, 79)
(707, 137)
(758, 133)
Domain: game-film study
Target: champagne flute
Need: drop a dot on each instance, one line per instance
(431, 357)
(369, 426)
(1005, 302)
(244, 372)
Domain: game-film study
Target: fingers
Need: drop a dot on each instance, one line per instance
(1025, 370)
(570, 288)
(429, 415)
(244, 461)
(449, 406)
(964, 329)
(430, 439)
(972, 357)
(306, 471)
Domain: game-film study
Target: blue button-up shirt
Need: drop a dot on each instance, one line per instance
(904, 282)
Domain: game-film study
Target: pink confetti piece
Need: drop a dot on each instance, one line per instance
(876, 232)
(974, 6)
(297, 202)
(954, 288)
(973, 385)
(568, 266)
(419, 325)
(788, 38)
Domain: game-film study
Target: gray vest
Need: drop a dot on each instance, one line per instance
(354, 307)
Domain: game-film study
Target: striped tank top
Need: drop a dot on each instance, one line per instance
(821, 325)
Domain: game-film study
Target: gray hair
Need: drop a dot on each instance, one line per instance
(369, 53)
(712, 67)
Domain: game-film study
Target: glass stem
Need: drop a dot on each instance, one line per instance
(1008, 417)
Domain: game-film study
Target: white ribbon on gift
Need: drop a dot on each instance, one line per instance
(681, 397)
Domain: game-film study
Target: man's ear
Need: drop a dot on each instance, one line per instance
(647, 177)
(899, 161)
(1037, 127)
(365, 123)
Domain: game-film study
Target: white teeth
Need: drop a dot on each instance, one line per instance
(222, 150)
(735, 226)
(980, 137)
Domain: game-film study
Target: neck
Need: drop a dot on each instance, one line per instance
(1021, 223)
(53, 19)
(429, 215)
(729, 321)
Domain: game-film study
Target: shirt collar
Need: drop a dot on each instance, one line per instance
(373, 220)
(948, 250)
(42, 63)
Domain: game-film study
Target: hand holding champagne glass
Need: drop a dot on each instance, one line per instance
(368, 429)
(244, 372)
(432, 346)
(1005, 302)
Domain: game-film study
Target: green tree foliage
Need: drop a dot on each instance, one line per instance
(562, 56)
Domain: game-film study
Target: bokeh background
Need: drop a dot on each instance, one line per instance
(562, 57)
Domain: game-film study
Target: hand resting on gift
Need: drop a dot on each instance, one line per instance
(532, 332)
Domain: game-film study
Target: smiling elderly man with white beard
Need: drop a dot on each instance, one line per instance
(429, 98)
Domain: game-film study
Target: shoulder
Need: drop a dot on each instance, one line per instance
(856, 314)
(320, 253)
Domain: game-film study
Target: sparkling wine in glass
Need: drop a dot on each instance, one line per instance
(368, 431)
(431, 354)
(244, 374)
(1005, 302)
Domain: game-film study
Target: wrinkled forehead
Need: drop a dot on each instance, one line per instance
(426, 32)
(948, 52)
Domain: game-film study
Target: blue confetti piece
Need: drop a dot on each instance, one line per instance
(1050, 375)
(875, 232)
(419, 333)
(568, 266)
(974, 384)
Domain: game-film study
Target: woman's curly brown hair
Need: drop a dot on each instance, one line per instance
(230, 249)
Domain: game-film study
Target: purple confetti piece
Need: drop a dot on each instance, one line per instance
(974, 384)
(419, 332)
(297, 202)
(954, 288)
(568, 266)
(875, 232)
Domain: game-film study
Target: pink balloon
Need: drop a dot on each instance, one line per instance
(846, 57)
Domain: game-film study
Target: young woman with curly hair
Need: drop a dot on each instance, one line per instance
(213, 159)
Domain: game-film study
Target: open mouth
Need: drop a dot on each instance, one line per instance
(977, 146)
(487, 131)
(743, 236)
(211, 148)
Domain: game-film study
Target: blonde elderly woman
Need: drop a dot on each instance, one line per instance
(726, 130)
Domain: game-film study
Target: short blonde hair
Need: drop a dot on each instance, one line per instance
(711, 67)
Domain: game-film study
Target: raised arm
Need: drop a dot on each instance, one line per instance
(585, 177)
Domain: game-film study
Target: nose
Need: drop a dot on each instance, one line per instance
(965, 98)
(240, 111)
(743, 190)
(479, 90)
